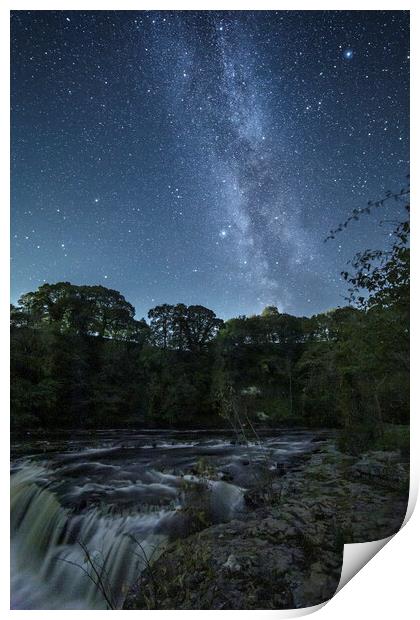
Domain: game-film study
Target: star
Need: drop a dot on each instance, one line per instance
(234, 133)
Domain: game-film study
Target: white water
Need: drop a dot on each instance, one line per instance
(48, 566)
(101, 496)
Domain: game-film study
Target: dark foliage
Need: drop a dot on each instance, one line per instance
(344, 368)
(80, 359)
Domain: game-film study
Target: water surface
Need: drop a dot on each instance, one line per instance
(107, 501)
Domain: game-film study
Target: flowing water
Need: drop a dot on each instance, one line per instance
(96, 507)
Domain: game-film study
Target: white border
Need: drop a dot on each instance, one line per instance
(388, 584)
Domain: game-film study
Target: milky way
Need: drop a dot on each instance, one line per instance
(202, 157)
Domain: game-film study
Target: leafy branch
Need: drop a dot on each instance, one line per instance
(356, 213)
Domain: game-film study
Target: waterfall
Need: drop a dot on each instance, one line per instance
(226, 500)
(83, 503)
(48, 565)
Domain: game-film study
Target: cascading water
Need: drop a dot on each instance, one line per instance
(88, 513)
(48, 563)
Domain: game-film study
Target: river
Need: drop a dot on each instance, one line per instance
(108, 501)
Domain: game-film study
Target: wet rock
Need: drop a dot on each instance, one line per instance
(232, 564)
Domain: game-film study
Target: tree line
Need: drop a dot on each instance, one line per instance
(80, 358)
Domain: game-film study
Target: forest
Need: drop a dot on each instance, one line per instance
(80, 359)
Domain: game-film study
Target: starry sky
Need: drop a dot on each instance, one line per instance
(203, 156)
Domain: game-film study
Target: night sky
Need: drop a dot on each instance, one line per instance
(203, 157)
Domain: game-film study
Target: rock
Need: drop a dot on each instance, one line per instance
(380, 468)
(319, 587)
(287, 550)
(232, 564)
(226, 476)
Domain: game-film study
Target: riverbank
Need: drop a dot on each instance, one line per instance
(286, 551)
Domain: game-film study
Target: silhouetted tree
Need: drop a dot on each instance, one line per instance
(88, 310)
(186, 328)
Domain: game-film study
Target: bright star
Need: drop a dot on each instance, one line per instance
(348, 54)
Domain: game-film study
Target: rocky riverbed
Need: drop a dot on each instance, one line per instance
(286, 550)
